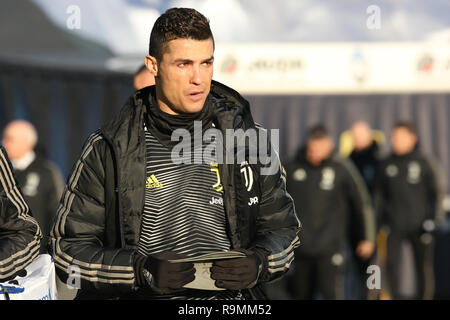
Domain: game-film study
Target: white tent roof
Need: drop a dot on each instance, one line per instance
(125, 25)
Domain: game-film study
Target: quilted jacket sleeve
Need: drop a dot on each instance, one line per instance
(78, 235)
(277, 223)
(20, 234)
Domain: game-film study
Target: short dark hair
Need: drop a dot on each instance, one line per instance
(406, 125)
(178, 23)
(318, 131)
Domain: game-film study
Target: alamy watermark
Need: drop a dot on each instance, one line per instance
(74, 19)
(373, 21)
(234, 147)
(374, 280)
(74, 279)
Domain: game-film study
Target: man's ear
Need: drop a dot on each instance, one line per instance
(152, 65)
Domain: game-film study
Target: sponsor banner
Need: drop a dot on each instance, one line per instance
(281, 68)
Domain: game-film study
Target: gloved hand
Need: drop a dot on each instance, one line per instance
(240, 273)
(166, 277)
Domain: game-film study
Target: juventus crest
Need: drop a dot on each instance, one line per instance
(247, 172)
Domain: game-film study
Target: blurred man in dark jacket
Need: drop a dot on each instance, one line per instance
(326, 188)
(365, 156)
(408, 199)
(41, 180)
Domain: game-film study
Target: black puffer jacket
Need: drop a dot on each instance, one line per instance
(98, 221)
(409, 190)
(326, 195)
(20, 235)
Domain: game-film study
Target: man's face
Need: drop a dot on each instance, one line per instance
(184, 75)
(15, 141)
(362, 135)
(319, 150)
(403, 141)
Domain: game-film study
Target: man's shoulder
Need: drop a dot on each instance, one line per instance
(428, 160)
(94, 145)
(129, 116)
(227, 98)
(222, 90)
(95, 138)
(424, 156)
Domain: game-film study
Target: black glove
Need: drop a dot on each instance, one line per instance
(166, 277)
(240, 273)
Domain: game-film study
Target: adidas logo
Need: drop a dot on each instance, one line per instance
(153, 183)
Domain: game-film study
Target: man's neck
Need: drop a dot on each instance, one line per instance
(24, 162)
(405, 153)
(165, 108)
(162, 103)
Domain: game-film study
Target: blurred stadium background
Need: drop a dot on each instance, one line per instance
(67, 67)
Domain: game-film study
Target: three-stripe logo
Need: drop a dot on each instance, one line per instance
(153, 183)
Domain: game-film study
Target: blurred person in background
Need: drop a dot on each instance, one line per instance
(366, 152)
(365, 156)
(129, 207)
(20, 234)
(41, 180)
(143, 78)
(326, 188)
(408, 201)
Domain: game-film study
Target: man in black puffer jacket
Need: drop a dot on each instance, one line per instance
(20, 234)
(327, 189)
(408, 199)
(135, 200)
